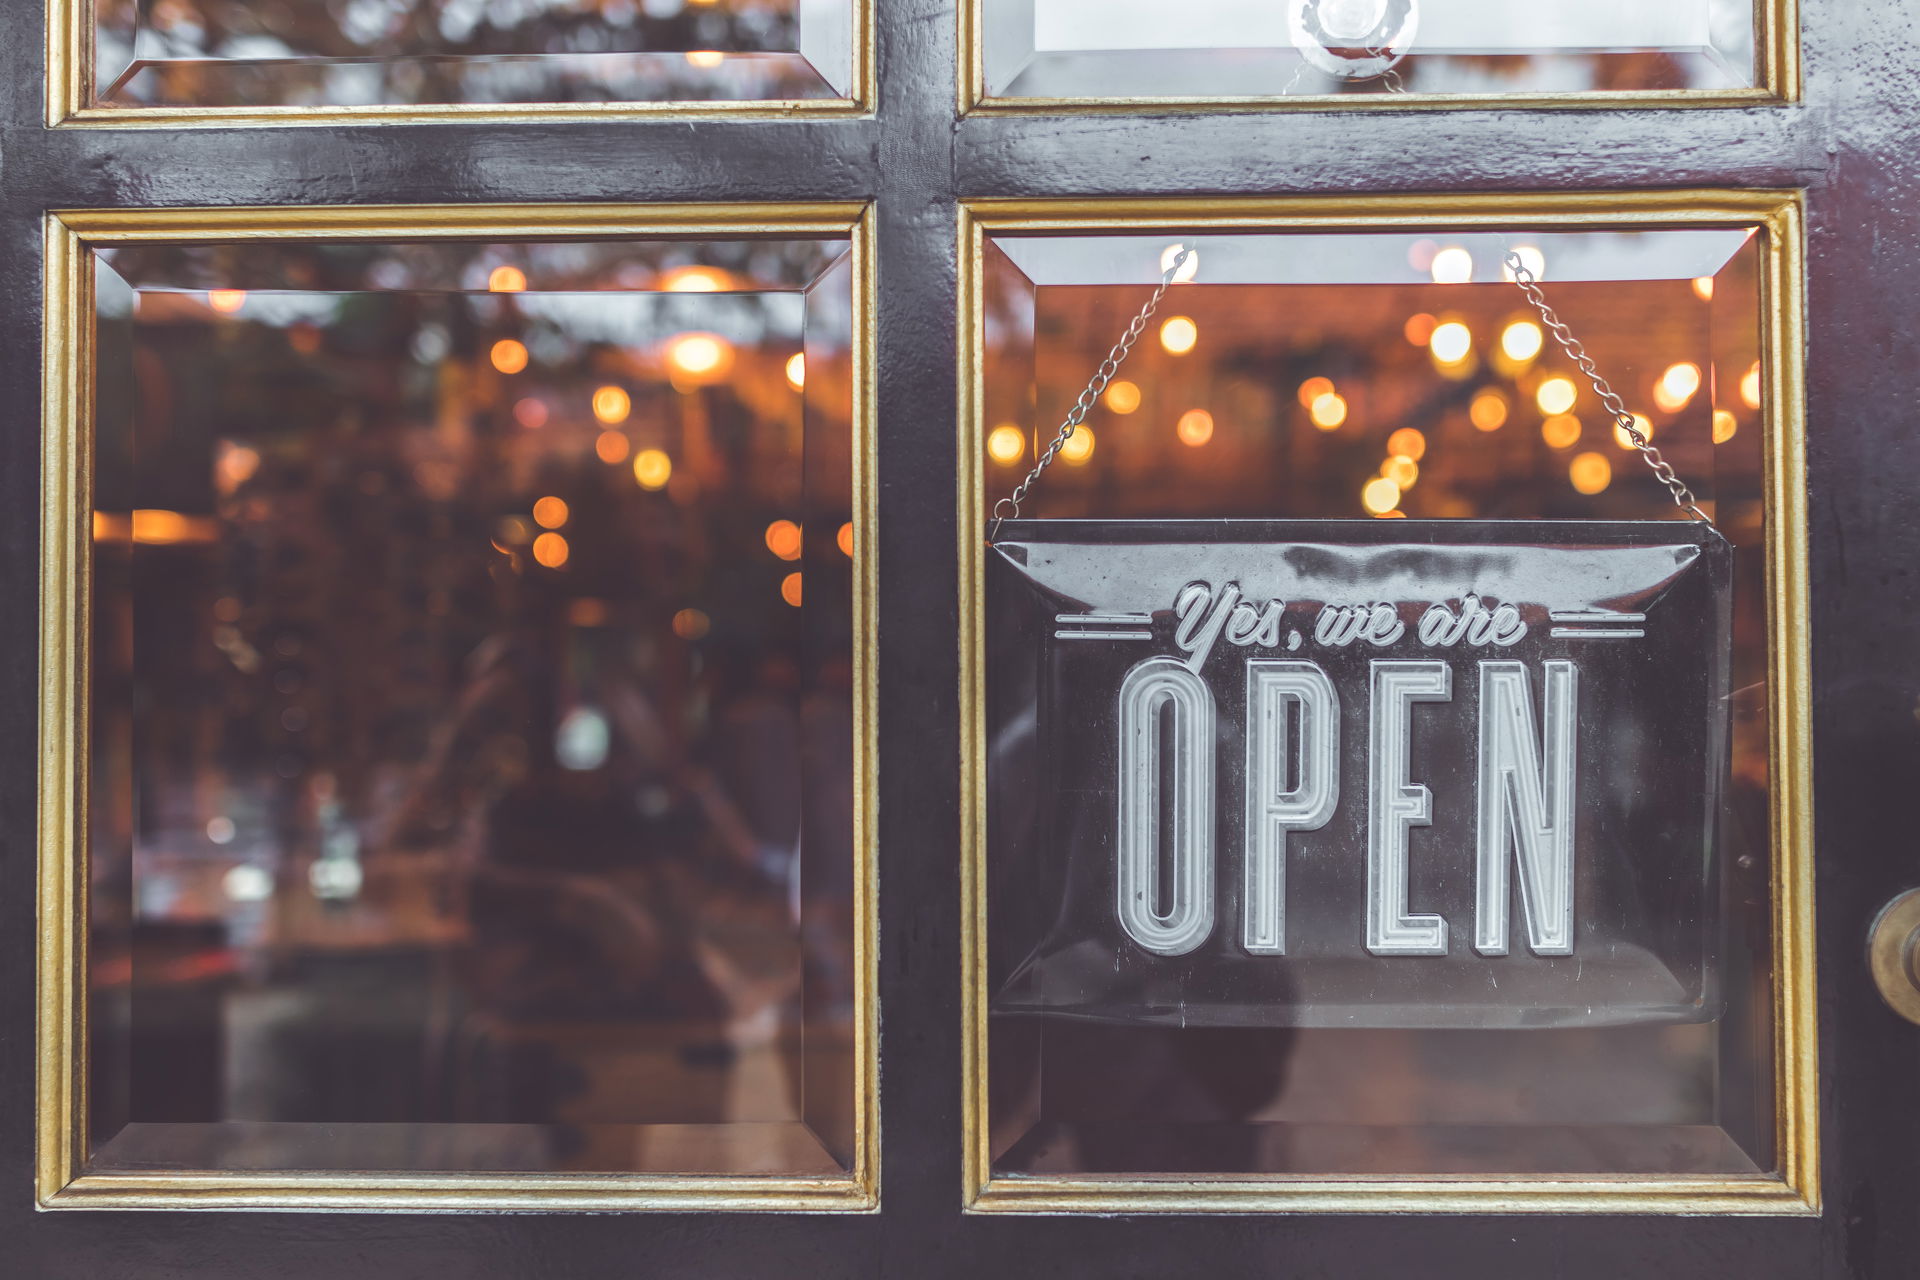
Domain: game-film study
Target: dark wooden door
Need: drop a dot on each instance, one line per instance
(1852, 143)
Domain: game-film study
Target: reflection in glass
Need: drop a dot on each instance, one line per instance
(310, 53)
(1122, 49)
(459, 723)
(1347, 375)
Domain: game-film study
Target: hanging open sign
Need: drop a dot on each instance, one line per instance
(1357, 773)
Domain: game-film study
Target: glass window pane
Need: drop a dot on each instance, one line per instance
(473, 769)
(1335, 376)
(311, 53)
(1217, 49)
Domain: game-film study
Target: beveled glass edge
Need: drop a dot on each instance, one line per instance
(1795, 1190)
(70, 95)
(62, 874)
(1776, 61)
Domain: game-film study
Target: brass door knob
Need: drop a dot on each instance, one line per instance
(1893, 953)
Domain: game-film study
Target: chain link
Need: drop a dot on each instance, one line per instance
(1615, 406)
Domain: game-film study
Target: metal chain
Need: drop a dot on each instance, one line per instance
(1577, 352)
(1091, 396)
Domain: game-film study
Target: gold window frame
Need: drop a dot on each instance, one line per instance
(70, 89)
(1795, 1189)
(65, 586)
(1776, 57)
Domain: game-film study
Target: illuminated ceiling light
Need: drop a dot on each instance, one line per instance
(612, 405)
(1750, 387)
(1450, 342)
(1521, 340)
(1188, 269)
(1677, 386)
(790, 589)
(530, 413)
(797, 371)
(550, 550)
(1402, 470)
(700, 357)
(1005, 444)
(1179, 335)
(1562, 430)
(611, 447)
(691, 624)
(1724, 425)
(1590, 472)
(506, 280)
(1488, 412)
(226, 301)
(1380, 495)
(1556, 395)
(1408, 441)
(652, 468)
(1703, 288)
(1195, 427)
(1452, 265)
(1122, 397)
(509, 355)
(1641, 423)
(844, 539)
(695, 280)
(705, 59)
(783, 539)
(1078, 448)
(1328, 411)
(550, 513)
(1530, 257)
(1419, 328)
(1312, 389)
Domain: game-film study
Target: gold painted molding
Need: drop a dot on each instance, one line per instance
(62, 1142)
(1795, 1189)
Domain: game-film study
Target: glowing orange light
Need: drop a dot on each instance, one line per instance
(550, 549)
(1078, 448)
(1005, 444)
(695, 280)
(652, 468)
(1450, 342)
(550, 513)
(509, 355)
(1562, 430)
(1750, 387)
(611, 447)
(506, 280)
(1408, 441)
(705, 59)
(1590, 472)
(1122, 397)
(1641, 423)
(1328, 411)
(783, 539)
(1401, 469)
(1556, 395)
(1419, 328)
(1179, 335)
(691, 624)
(1703, 288)
(1488, 412)
(1312, 389)
(226, 301)
(797, 371)
(1395, 514)
(1380, 495)
(234, 465)
(1521, 340)
(1724, 425)
(164, 528)
(844, 539)
(1677, 386)
(1195, 427)
(530, 413)
(700, 357)
(790, 589)
(612, 405)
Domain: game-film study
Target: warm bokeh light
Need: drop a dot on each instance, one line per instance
(550, 550)
(783, 539)
(1641, 423)
(1562, 430)
(1521, 340)
(612, 405)
(1079, 446)
(1195, 427)
(1122, 397)
(1590, 472)
(1530, 257)
(706, 59)
(1488, 412)
(1556, 395)
(652, 468)
(1703, 288)
(695, 280)
(509, 355)
(1380, 495)
(1450, 342)
(1005, 444)
(234, 465)
(691, 624)
(1452, 265)
(844, 539)
(550, 512)
(797, 371)
(790, 589)
(1419, 328)
(1724, 426)
(1677, 386)
(1402, 470)
(612, 447)
(506, 280)
(530, 413)
(1408, 441)
(1328, 411)
(1179, 335)
(1188, 269)
(226, 301)
(1312, 389)
(700, 356)
(1750, 387)
(161, 528)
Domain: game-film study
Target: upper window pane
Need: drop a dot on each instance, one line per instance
(1125, 50)
(371, 53)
